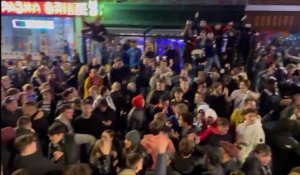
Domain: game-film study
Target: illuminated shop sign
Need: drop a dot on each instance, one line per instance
(33, 24)
(89, 8)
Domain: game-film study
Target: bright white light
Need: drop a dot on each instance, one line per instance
(32, 24)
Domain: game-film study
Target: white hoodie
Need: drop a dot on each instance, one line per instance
(251, 135)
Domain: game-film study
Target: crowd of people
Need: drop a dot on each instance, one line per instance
(233, 108)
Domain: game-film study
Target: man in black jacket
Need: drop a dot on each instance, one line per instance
(119, 72)
(30, 160)
(85, 123)
(105, 116)
(10, 112)
(63, 149)
(259, 164)
(98, 37)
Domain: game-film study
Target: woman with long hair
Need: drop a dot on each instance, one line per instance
(103, 157)
(82, 75)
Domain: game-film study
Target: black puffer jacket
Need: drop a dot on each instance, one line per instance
(70, 149)
(104, 166)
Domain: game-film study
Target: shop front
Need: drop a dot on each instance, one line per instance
(43, 26)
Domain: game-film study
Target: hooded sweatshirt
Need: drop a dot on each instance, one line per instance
(150, 143)
(250, 136)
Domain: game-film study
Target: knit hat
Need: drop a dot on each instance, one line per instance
(203, 107)
(134, 137)
(138, 101)
(8, 100)
(208, 111)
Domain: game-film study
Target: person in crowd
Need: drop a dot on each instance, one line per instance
(178, 97)
(134, 54)
(65, 119)
(24, 126)
(216, 99)
(172, 121)
(198, 101)
(103, 157)
(163, 106)
(99, 34)
(288, 111)
(210, 52)
(117, 96)
(39, 120)
(150, 141)
(59, 73)
(218, 134)
(146, 70)
(249, 134)
(184, 73)
(206, 119)
(30, 160)
(137, 115)
(39, 76)
(105, 116)
(5, 83)
(47, 104)
(29, 92)
(160, 90)
(16, 93)
(104, 93)
(270, 99)
(161, 72)
(134, 163)
(76, 105)
(213, 162)
(10, 112)
(186, 121)
(67, 97)
(184, 161)
(238, 96)
(237, 117)
(64, 147)
(18, 76)
(82, 75)
(119, 72)
(131, 146)
(259, 163)
(66, 113)
(92, 79)
(86, 123)
(187, 90)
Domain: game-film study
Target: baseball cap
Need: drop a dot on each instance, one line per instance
(8, 100)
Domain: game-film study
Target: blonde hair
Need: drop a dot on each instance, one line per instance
(83, 69)
(27, 87)
(115, 85)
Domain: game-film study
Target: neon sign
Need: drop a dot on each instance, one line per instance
(89, 8)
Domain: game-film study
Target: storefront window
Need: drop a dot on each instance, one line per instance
(29, 34)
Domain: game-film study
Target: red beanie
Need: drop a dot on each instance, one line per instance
(138, 101)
